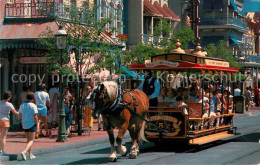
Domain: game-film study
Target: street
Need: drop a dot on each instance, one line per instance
(241, 149)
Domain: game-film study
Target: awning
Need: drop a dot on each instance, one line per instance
(23, 35)
(25, 30)
(235, 40)
(234, 6)
(150, 10)
(170, 12)
(162, 11)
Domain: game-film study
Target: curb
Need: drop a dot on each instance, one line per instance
(17, 156)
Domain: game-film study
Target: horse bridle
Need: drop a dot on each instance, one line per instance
(112, 106)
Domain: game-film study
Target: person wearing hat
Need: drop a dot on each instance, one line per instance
(151, 87)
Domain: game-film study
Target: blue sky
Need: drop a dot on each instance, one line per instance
(251, 6)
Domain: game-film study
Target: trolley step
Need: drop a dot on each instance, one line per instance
(210, 138)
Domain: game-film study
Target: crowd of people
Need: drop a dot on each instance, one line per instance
(216, 99)
(38, 110)
(41, 108)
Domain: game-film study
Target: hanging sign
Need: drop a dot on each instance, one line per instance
(159, 63)
(33, 60)
(216, 63)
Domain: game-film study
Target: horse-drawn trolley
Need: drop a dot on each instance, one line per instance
(200, 90)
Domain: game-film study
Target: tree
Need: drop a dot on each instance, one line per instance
(222, 51)
(143, 52)
(86, 41)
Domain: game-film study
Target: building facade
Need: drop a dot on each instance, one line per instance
(21, 56)
(143, 16)
(222, 20)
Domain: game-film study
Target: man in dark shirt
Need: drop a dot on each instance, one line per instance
(151, 87)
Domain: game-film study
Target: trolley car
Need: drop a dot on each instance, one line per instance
(170, 124)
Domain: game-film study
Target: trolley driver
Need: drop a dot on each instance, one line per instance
(151, 87)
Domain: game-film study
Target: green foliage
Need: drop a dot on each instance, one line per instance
(141, 53)
(185, 35)
(85, 40)
(222, 51)
(163, 28)
(169, 34)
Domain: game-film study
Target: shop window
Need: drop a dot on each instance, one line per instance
(119, 19)
(111, 15)
(103, 9)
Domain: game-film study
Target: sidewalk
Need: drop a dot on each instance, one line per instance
(16, 142)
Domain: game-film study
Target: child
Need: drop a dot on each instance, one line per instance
(181, 104)
(28, 113)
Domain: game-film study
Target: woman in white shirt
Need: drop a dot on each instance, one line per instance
(5, 108)
(42, 99)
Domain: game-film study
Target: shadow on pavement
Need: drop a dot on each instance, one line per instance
(252, 137)
(100, 151)
(91, 161)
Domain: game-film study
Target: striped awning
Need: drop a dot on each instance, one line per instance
(234, 6)
(235, 40)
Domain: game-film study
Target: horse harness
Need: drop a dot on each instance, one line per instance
(119, 105)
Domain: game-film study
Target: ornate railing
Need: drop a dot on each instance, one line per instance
(223, 21)
(30, 10)
(44, 10)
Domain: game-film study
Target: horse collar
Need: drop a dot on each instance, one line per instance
(116, 104)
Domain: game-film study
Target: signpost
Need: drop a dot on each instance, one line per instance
(33, 60)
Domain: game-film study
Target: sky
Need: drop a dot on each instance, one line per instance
(251, 6)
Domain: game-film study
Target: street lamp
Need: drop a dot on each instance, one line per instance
(61, 41)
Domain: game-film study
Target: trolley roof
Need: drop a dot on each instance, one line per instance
(177, 59)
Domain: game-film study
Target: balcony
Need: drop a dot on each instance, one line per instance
(150, 39)
(43, 10)
(223, 23)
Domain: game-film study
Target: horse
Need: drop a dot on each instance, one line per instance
(118, 111)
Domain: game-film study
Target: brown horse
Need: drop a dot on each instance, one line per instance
(105, 100)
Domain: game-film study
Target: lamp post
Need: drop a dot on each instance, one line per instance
(61, 40)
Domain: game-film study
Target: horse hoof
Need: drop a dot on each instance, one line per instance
(112, 159)
(123, 152)
(132, 156)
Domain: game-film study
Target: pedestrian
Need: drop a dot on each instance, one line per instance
(237, 91)
(22, 96)
(42, 100)
(256, 96)
(53, 113)
(28, 113)
(88, 119)
(67, 101)
(249, 100)
(5, 108)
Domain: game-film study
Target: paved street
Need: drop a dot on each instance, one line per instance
(242, 149)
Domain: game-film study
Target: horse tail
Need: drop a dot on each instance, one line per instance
(142, 138)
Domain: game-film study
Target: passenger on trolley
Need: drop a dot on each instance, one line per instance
(218, 108)
(181, 104)
(210, 112)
